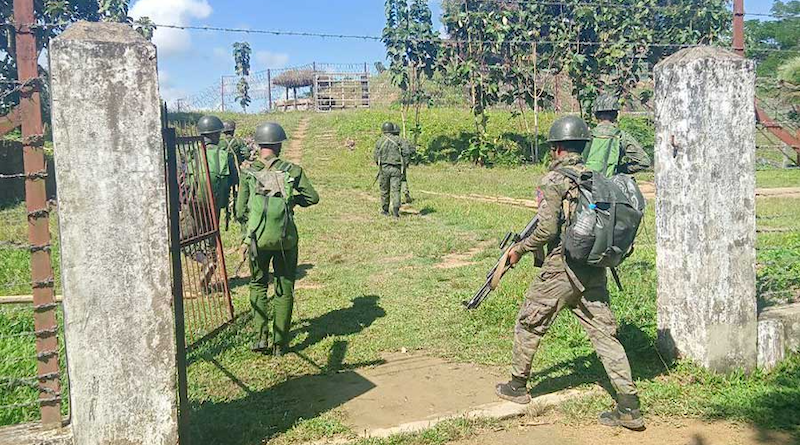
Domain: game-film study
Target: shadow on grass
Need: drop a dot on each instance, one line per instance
(262, 414)
(644, 359)
(235, 282)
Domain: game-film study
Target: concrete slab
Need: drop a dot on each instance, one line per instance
(789, 316)
(32, 434)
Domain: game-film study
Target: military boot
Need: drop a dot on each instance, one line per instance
(407, 199)
(261, 345)
(515, 390)
(626, 414)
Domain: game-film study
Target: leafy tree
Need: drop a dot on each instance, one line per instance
(145, 27)
(412, 49)
(241, 55)
(782, 34)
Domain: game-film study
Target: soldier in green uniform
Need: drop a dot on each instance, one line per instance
(407, 151)
(389, 159)
(269, 189)
(222, 166)
(613, 151)
(563, 285)
(234, 144)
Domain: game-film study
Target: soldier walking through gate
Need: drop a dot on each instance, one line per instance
(269, 189)
(562, 284)
(613, 151)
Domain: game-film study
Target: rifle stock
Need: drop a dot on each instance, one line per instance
(505, 246)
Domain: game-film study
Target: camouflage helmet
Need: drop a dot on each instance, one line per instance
(269, 133)
(229, 126)
(606, 102)
(209, 125)
(387, 127)
(569, 128)
(395, 129)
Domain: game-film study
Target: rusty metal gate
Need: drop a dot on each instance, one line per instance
(203, 295)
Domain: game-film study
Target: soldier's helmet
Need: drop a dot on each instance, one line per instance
(569, 128)
(387, 128)
(395, 129)
(606, 102)
(269, 133)
(209, 125)
(229, 126)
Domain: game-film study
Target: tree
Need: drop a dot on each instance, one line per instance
(241, 55)
(145, 27)
(412, 49)
(774, 42)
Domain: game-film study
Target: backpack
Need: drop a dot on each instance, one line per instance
(603, 154)
(601, 231)
(271, 201)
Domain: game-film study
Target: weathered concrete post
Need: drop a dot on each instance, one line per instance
(705, 207)
(119, 325)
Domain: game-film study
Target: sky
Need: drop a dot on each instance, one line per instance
(190, 61)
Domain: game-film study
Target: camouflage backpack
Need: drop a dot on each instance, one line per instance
(602, 229)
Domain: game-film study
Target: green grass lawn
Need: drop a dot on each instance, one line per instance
(370, 287)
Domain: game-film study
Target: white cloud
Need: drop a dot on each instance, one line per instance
(171, 12)
(168, 91)
(221, 53)
(268, 59)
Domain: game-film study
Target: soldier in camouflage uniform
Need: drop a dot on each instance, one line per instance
(407, 151)
(632, 157)
(234, 144)
(222, 166)
(563, 285)
(269, 190)
(389, 159)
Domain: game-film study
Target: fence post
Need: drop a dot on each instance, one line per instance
(38, 216)
(705, 207)
(269, 89)
(738, 27)
(112, 193)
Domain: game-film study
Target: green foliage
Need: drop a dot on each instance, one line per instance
(790, 71)
(145, 27)
(783, 34)
(779, 272)
(241, 56)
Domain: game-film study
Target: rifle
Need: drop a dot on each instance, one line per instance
(502, 266)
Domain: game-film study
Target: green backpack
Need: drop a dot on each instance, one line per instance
(602, 229)
(603, 154)
(271, 203)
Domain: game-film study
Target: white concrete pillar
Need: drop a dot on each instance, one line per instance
(119, 323)
(705, 207)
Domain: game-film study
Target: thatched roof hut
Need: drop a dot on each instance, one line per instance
(295, 79)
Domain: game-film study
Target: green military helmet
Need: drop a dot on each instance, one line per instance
(606, 102)
(209, 125)
(395, 129)
(269, 133)
(387, 127)
(569, 128)
(229, 126)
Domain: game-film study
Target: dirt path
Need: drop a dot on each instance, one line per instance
(648, 190)
(294, 153)
(681, 432)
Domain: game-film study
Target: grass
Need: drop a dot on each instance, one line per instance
(371, 288)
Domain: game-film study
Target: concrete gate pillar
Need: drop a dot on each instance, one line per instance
(705, 207)
(119, 324)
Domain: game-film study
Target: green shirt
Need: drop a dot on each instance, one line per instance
(388, 151)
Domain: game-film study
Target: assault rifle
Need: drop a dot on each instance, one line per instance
(502, 266)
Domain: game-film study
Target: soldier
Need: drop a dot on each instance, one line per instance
(612, 150)
(388, 157)
(407, 151)
(221, 163)
(563, 285)
(234, 144)
(269, 189)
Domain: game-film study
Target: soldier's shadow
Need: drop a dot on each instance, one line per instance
(362, 312)
(646, 364)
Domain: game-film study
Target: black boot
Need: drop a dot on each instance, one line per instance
(626, 414)
(515, 390)
(385, 212)
(261, 345)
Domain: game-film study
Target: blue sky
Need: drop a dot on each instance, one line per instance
(190, 61)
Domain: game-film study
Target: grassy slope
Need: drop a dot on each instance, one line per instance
(379, 292)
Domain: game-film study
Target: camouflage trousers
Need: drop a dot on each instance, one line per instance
(547, 296)
(389, 180)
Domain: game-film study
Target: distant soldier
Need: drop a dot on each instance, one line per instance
(269, 189)
(222, 166)
(613, 151)
(565, 285)
(388, 157)
(234, 144)
(407, 151)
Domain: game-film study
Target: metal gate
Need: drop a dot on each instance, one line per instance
(202, 292)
